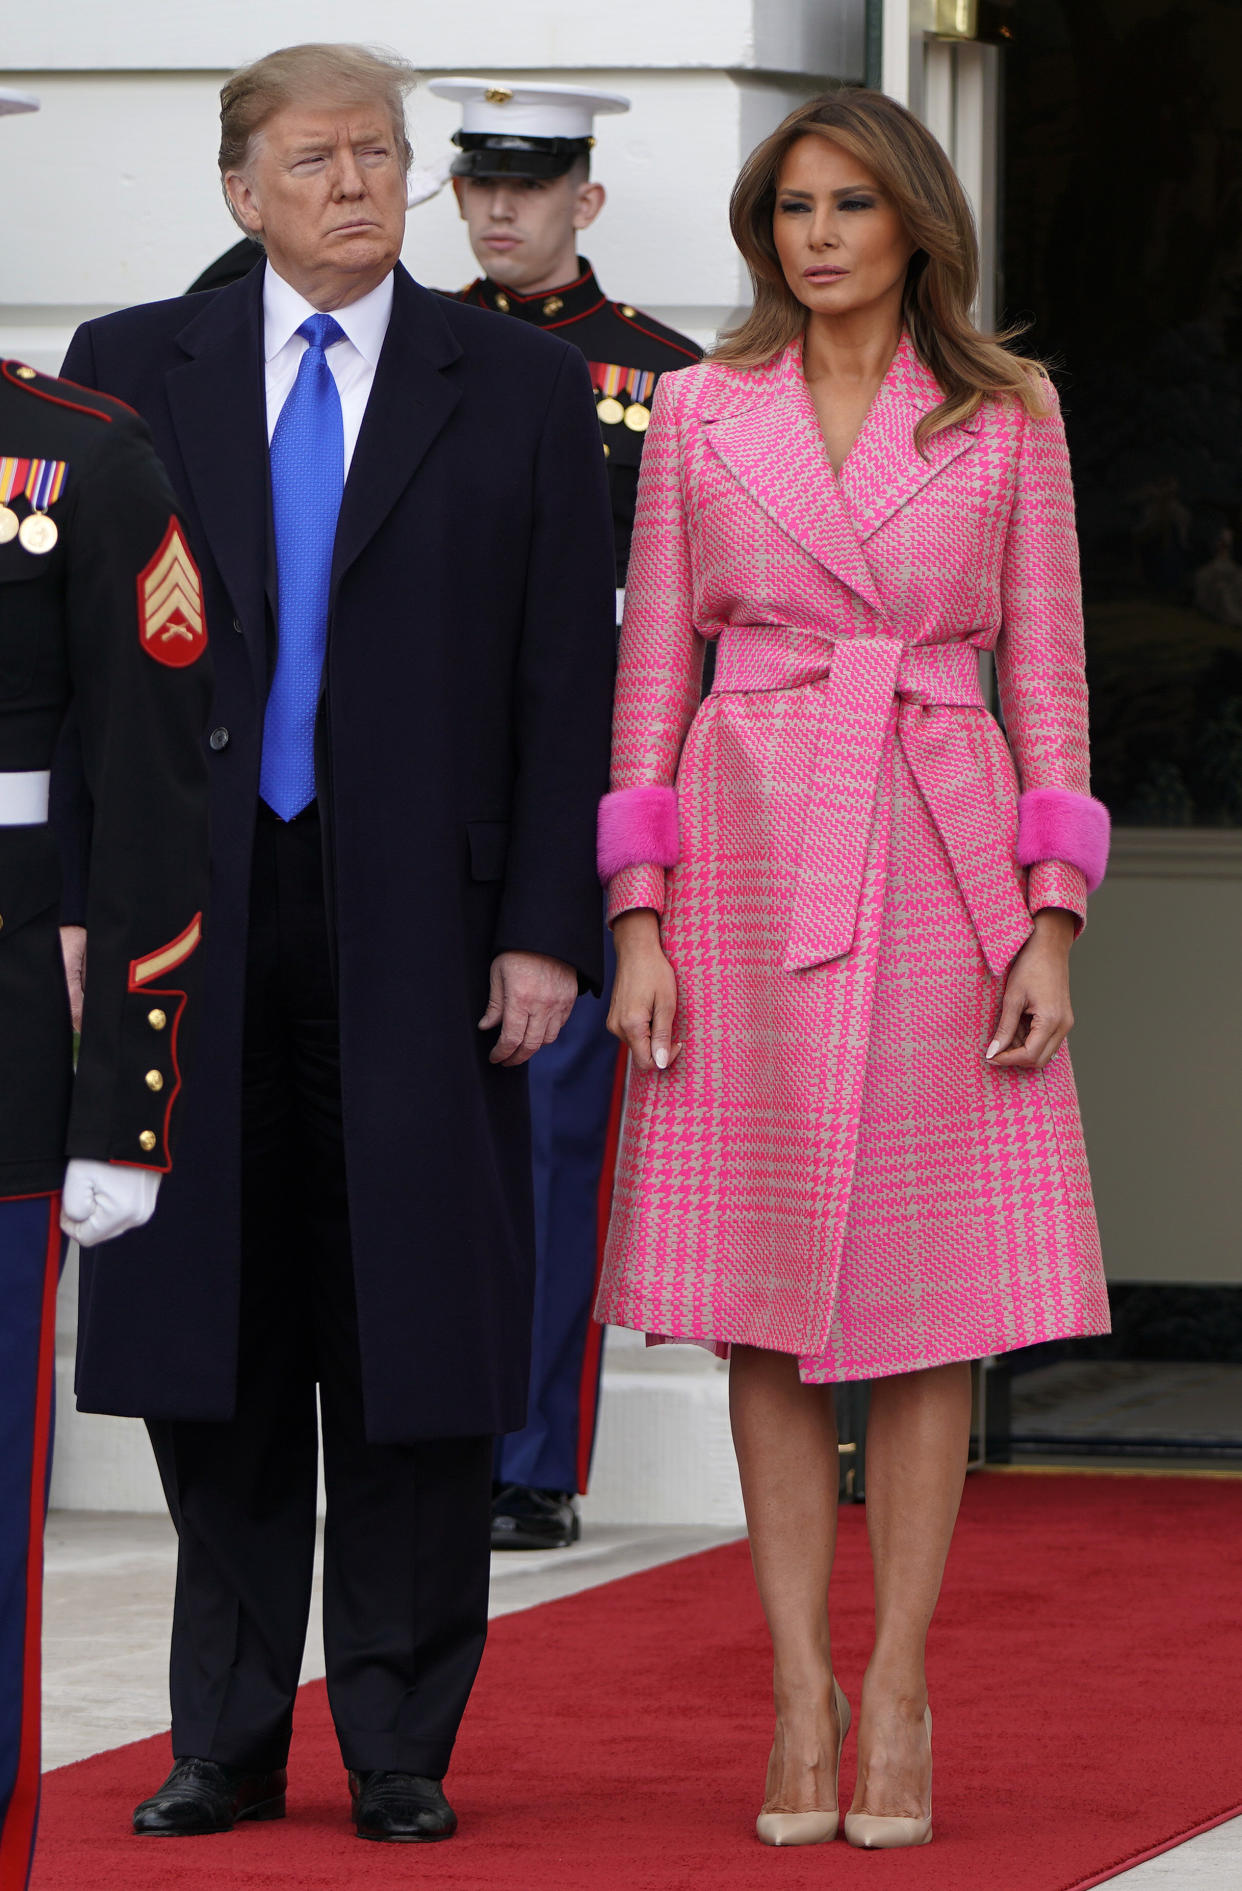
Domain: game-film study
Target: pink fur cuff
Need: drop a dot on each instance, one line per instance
(637, 827)
(1054, 824)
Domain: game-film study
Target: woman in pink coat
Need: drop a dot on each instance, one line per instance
(844, 900)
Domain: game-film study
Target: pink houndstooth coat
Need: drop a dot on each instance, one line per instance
(831, 1169)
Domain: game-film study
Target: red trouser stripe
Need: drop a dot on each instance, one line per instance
(588, 1389)
(17, 1837)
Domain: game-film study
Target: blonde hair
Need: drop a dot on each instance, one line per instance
(943, 275)
(343, 74)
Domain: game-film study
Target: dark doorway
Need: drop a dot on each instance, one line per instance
(1123, 244)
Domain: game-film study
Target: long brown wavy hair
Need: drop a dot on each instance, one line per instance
(941, 281)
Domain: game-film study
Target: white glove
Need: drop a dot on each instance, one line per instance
(422, 185)
(100, 1199)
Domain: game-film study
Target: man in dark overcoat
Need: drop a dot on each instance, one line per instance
(400, 513)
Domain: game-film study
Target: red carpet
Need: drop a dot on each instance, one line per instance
(1086, 1677)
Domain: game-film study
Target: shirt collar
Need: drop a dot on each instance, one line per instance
(365, 321)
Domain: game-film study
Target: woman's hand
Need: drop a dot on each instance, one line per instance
(644, 993)
(1036, 1017)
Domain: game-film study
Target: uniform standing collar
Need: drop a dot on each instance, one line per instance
(365, 322)
(550, 308)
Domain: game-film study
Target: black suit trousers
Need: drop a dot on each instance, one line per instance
(407, 1533)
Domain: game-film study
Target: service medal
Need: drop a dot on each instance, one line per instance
(38, 533)
(637, 417)
(8, 524)
(610, 410)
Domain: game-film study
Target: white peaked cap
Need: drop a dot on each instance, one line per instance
(11, 101)
(499, 107)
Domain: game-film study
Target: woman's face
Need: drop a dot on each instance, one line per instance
(840, 241)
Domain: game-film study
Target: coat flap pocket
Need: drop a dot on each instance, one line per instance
(489, 845)
(29, 876)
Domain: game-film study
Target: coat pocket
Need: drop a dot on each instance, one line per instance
(20, 599)
(489, 848)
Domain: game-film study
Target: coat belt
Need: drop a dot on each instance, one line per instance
(875, 689)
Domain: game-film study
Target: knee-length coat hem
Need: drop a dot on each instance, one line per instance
(831, 1168)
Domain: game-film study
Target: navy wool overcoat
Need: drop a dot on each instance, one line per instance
(461, 751)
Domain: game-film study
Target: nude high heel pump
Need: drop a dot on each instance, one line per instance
(808, 1828)
(876, 1834)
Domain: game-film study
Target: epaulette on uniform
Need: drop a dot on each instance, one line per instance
(638, 318)
(84, 400)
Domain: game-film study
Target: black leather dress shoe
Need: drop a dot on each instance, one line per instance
(527, 1519)
(201, 1796)
(401, 1808)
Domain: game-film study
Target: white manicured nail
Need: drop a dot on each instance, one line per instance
(661, 1058)
(992, 1049)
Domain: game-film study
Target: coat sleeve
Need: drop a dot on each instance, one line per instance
(1041, 676)
(141, 683)
(563, 691)
(659, 681)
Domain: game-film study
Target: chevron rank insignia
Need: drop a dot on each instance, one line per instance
(170, 604)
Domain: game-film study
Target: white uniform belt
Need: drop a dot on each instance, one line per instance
(23, 797)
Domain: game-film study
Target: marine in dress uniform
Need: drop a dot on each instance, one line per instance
(100, 616)
(531, 136)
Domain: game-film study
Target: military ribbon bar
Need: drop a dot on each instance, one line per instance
(40, 481)
(608, 378)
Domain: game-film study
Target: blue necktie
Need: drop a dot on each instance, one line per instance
(308, 477)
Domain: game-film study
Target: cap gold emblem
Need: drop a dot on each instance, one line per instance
(25, 374)
(610, 411)
(498, 95)
(147, 1140)
(155, 1080)
(637, 417)
(157, 1019)
(553, 305)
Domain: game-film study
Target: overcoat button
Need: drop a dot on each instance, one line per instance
(219, 739)
(157, 1019)
(147, 1140)
(237, 625)
(155, 1080)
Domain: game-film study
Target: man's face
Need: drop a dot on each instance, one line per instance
(325, 188)
(523, 230)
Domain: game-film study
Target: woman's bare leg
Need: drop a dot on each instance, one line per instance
(785, 1435)
(918, 1432)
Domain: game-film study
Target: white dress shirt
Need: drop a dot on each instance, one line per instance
(352, 361)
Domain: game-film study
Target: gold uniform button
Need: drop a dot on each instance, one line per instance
(157, 1019)
(637, 417)
(1, 922)
(502, 303)
(553, 305)
(147, 1140)
(610, 411)
(628, 312)
(25, 374)
(607, 450)
(155, 1080)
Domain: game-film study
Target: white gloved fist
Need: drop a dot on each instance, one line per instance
(422, 185)
(100, 1199)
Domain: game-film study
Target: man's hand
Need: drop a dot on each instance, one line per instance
(531, 996)
(1036, 1017)
(73, 951)
(100, 1199)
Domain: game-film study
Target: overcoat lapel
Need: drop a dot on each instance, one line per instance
(414, 393)
(885, 470)
(218, 410)
(775, 449)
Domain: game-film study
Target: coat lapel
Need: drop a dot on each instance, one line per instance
(774, 449)
(218, 410)
(414, 392)
(885, 470)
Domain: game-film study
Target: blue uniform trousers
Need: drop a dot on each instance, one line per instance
(30, 1256)
(572, 1085)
